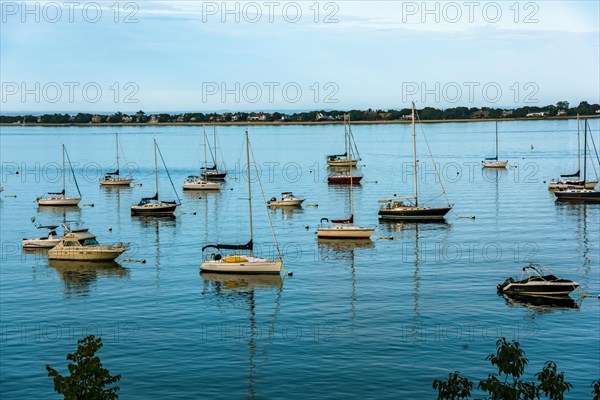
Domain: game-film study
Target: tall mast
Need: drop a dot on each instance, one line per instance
(156, 169)
(205, 160)
(584, 151)
(117, 143)
(578, 148)
(248, 176)
(64, 175)
(215, 144)
(346, 121)
(350, 171)
(414, 136)
(496, 140)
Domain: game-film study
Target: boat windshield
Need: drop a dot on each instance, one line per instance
(88, 242)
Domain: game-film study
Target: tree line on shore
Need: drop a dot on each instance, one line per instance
(562, 108)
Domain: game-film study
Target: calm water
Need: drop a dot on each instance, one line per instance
(381, 319)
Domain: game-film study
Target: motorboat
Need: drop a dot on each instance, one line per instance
(239, 263)
(537, 284)
(45, 242)
(114, 178)
(70, 248)
(287, 200)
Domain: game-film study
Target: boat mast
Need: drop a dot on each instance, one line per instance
(414, 136)
(156, 169)
(248, 176)
(584, 152)
(215, 145)
(117, 143)
(578, 148)
(64, 172)
(496, 140)
(346, 121)
(350, 171)
(205, 159)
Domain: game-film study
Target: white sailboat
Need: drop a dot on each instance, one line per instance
(407, 207)
(59, 198)
(152, 206)
(344, 229)
(574, 181)
(114, 178)
(195, 182)
(494, 162)
(343, 160)
(213, 173)
(237, 263)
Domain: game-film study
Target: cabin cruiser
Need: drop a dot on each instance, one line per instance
(287, 199)
(70, 248)
(537, 284)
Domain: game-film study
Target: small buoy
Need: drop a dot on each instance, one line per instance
(110, 229)
(194, 213)
(307, 227)
(544, 181)
(17, 173)
(292, 274)
(230, 188)
(312, 205)
(588, 260)
(531, 147)
(199, 197)
(89, 205)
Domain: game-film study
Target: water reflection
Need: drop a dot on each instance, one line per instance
(287, 212)
(78, 276)
(235, 288)
(540, 304)
(54, 209)
(152, 226)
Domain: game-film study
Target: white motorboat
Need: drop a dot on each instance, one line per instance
(408, 207)
(115, 178)
(152, 206)
(194, 182)
(45, 242)
(59, 198)
(287, 200)
(494, 162)
(70, 248)
(237, 263)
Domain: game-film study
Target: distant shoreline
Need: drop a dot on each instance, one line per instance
(286, 123)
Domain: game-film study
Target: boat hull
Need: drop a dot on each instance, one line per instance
(86, 253)
(494, 164)
(115, 182)
(576, 195)
(214, 176)
(265, 267)
(155, 210)
(287, 203)
(342, 163)
(557, 185)
(344, 232)
(344, 180)
(39, 243)
(202, 186)
(59, 201)
(414, 213)
(541, 289)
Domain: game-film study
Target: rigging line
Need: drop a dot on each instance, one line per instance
(168, 174)
(268, 214)
(218, 141)
(125, 159)
(595, 151)
(72, 172)
(211, 152)
(432, 160)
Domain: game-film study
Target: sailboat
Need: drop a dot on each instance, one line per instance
(574, 180)
(574, 194)
(408, 208)
(194, 182)
(240, 264)
(342, 160)
(59, 198)
(114, 178)
(345, 161)
(344, 228)
(213, 173)
(152, 206)
(493, 162)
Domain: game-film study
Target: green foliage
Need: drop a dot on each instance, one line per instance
(596, 389)
(456, 387)
(87, 378)
(510, 363)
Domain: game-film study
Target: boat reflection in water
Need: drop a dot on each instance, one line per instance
(540, 303)
(78, 276)
(243, 288)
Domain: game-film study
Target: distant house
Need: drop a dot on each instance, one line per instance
(234, 117)
(561, 112)
(179, 119)
(126, 119)
(253, 117)
(262, 117)
(507, 113)
(154, 119)
(480, 114)
(96, 119)
(406, 117)
(540, 114)
(598, 111)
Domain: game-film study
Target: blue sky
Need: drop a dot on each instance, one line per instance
(204, 56)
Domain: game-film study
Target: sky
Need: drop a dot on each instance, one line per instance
(203, 56)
